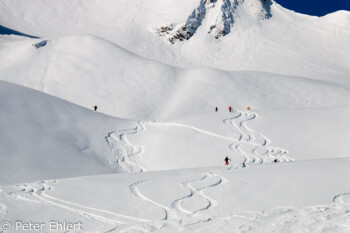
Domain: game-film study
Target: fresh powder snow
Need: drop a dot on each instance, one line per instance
(178, 86)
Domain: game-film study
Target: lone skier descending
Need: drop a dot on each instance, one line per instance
(230, 109)
(216, 109)
(226, 160)
(95, 108)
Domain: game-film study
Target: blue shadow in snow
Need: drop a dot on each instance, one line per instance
(8, 31)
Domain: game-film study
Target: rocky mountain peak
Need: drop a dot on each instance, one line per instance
(224, 13)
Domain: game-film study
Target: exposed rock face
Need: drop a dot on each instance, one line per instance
(225, 18)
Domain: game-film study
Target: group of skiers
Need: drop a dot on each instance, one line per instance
(226, 159)
(227, 163)
(229, 109)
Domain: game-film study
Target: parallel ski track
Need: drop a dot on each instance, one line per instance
(253, 146)
(177, 214)
(121, 223)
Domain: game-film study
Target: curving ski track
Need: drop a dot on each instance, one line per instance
(125, 153)
(178, 214)
(117, 222)
(192, 208)
(185, 212)
(255, 147)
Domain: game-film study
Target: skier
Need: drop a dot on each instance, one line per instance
(275, 161)
(216, 109)
(243, 165)
(95, 107)
(230, 108)
(226, 160)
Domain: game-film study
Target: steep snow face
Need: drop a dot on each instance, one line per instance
(222, 14)
(43, 137)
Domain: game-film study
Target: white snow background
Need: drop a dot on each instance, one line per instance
(151, 159)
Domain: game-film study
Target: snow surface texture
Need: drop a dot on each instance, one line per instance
(174, 61)
(195, 200)
(44, 137)
(124, 85)
(287, 43)
(204, 148)
(263, 197)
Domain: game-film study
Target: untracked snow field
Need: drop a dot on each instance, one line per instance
(151, 158)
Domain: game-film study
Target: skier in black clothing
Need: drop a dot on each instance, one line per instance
(216, 109)
(226, 160)
(95, 107)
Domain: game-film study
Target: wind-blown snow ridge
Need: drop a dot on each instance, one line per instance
(342, 199)
(228, 12)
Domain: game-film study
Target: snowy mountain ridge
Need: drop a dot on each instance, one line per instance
(287, 43)
(248, 79)
(221, 13)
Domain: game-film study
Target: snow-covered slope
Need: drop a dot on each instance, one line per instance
(128, 86)
(285, 43)
(169, 64)
(253, 138)
(273, 198)
(43, 137)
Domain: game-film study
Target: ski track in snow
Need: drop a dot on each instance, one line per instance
(330, 218)
(125, 153)
(195, 213)
(184, 213)
(117, 222)
(334, 217)
(190, 210)
(180, 213)
(255, 147)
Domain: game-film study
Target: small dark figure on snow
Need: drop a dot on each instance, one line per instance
(230, 109)
(226, 160)
(275, 161)
(216, 109)
(95, 107)
(243, 165)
